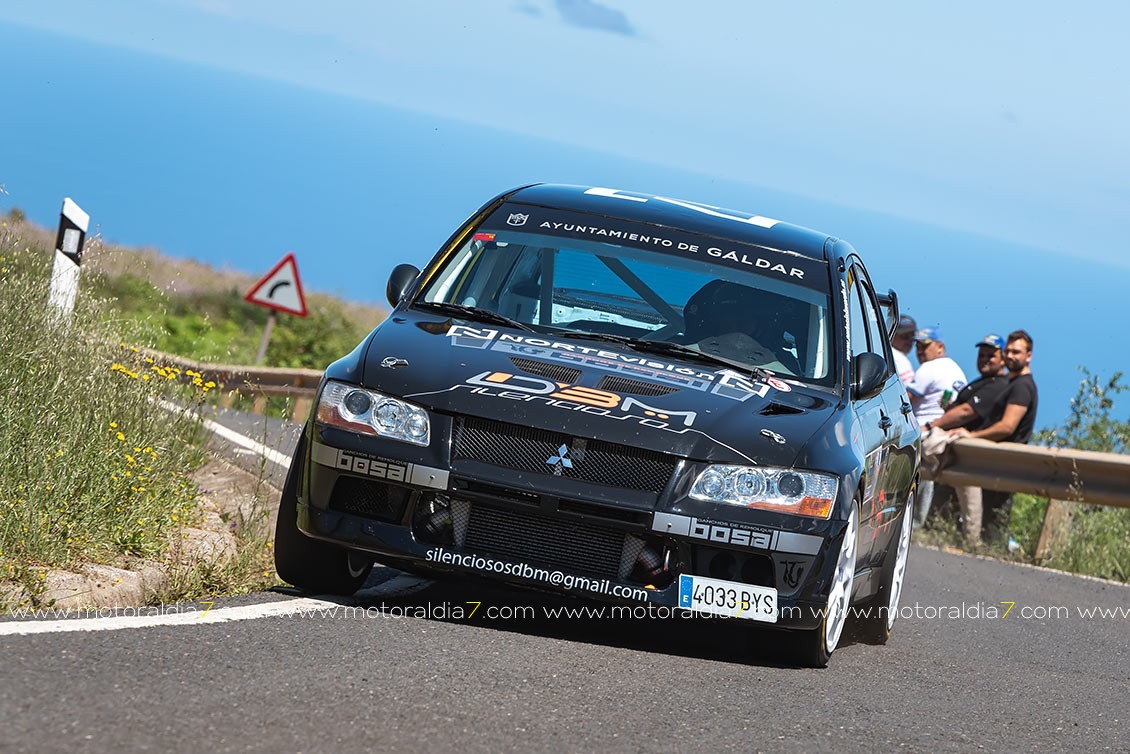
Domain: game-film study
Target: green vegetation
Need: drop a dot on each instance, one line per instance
(90, 468)
(1098, 542)
(212, 322)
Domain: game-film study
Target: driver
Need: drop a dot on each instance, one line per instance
(721, 319)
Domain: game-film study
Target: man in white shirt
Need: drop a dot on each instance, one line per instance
(900, 346)
(938, 380)
(936, 383)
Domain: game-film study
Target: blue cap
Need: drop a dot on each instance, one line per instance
(928, 335)
(992, 340)
(906, 325)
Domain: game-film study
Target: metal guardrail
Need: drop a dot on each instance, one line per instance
(301, 385)
(1080, 476)
(1064, 475)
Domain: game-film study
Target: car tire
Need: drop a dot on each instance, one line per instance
(875, 618)
(813, 648)
(307, 563)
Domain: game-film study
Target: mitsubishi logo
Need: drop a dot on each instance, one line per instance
(560, 461)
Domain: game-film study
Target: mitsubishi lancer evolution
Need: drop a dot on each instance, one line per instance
(629, 398)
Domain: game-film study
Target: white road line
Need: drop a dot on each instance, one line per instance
(198, 614)
(237, 439)
(190, 615)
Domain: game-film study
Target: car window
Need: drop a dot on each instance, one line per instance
(558, 284)
(858, 321)
(868, 333)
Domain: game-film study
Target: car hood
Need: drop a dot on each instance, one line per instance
(590, 389)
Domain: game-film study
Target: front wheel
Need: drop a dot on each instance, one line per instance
(876, 617)
(310, 564)
(813, 648)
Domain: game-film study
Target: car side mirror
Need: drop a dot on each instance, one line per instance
(870, 374)
(401, 279)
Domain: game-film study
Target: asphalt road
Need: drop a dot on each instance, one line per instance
(398, 668)
(384, 679)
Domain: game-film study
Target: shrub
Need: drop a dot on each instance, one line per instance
(91, 466)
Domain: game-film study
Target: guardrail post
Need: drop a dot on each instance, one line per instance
(1056, 526)
(300, 410)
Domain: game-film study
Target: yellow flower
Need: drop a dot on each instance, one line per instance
(121, 437)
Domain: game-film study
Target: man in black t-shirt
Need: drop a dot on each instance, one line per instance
(1012, 420)
(972, 410)
(973, 406)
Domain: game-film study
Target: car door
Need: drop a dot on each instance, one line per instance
(875, 416)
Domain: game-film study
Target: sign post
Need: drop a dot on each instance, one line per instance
(280, 290)
(73, 223)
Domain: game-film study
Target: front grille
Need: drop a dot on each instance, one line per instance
(555, 372)
(526, 449)
(362, 497)
(562, 545)
(604, 511)
(617, 384)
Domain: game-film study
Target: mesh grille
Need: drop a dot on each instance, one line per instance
(555, 372)
(564, 545)
(361, 497)
(596, 461)
(618, 384)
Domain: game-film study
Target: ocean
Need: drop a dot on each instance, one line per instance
(236, 171)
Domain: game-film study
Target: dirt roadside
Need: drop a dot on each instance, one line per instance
(234, 503)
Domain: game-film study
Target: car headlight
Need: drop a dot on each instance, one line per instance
(804, 493)
(372, 413)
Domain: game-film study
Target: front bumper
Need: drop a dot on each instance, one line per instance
(550, 533)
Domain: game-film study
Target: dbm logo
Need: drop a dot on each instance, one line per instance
(579, 397)
(729, 536)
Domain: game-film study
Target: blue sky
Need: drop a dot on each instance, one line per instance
(956, 146)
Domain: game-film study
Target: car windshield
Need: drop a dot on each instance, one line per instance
(699, 301)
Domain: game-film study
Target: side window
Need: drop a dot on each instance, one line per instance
(858, 322)
(873, 321)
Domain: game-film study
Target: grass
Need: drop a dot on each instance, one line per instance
(1097, 544)
(90, 468)
(196, 311)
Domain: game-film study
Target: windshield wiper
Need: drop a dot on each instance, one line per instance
(678, 349)
(669, 348)
(472, 312)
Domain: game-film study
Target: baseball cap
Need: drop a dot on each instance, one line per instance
(992, 340)
(928, 335)
(906, 325)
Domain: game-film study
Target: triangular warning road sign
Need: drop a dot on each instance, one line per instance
(280, 288)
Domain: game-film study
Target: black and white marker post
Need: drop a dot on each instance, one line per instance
(68, 258)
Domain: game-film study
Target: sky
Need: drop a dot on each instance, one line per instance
(973, 152)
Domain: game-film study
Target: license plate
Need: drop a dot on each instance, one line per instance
(728, 598)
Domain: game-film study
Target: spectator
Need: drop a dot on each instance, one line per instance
(972, 410)
(937, 381)
(900, 346)
(1012, 420)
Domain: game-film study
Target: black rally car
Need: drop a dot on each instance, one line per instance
(626, 397)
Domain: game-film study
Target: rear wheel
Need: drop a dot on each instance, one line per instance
(813, 648)
(876, 617)
(310, 564)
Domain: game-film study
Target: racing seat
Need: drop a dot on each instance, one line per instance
(739, 322)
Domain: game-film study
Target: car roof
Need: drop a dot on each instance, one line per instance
(670, 212)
